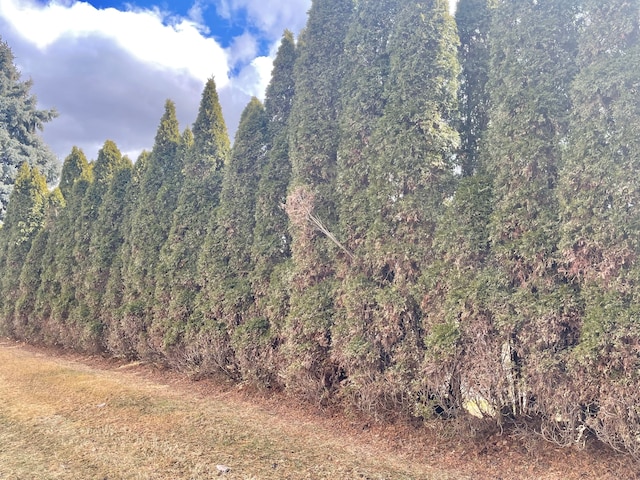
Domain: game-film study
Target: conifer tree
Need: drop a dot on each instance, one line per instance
(27, 323)
(107, 236)
(120, 337)
(600, 195)
(20, 121)
(271, 244)
(199, 196)
(149, 228)
(84, 320)
(50, 301)
(473, 18)
(313, 150)
(365, 69)
(533, 62)
(270, 251)
(226, 254)
(24, 219)
(72, 168)
(411, 170)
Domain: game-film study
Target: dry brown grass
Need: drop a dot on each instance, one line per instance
(62, 419)
(66, 416)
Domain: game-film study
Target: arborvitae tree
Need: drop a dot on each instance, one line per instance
(533, 63)
(600, 199)
(107, 236)
(211, 139)
(56, 259)
(365, 69)
(20, 121)
(271, 240)
(225, 261)
(24, 219)
(120, 337)
(149, 227)
(313, 149)
(271, 236)
(72, 169)
(197, 201)
(83, 319)
(410, 177)
(27, 323)
(473, 18)
(173, 257)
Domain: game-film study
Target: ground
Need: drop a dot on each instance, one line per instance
(67, 416)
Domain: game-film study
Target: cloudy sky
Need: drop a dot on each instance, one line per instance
(108, 66)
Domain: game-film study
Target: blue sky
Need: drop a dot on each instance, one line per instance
(108, 66)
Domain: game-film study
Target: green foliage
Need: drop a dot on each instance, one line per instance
(473, 18)
(148, 228)
(211, 140)
(24, 219)
(314, 138)
(225, 261)
(180, 280)
(20, 121)
(409, 273)
(271, 239)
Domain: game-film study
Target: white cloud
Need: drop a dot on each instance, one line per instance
(142, 33)
(271, 17)
(243, 49)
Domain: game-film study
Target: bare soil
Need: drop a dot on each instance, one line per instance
(68, 416)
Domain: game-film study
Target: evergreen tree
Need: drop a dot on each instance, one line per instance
(84, 319)
(473, 18)
(313, 150)
(533, 63)
(27, 323)
(107, 236)
(271, 235)
(198, 198)
(24, 219)
(270, 251)
(20, 121)
(600, 195)
(72, 168)
(411, 172)
(365, 69)
(56, 271)
(226, 253)
(149, 228)
(120, 336)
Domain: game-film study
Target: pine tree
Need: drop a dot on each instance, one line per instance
(20, 121)
(313, 150)
(24, 219)
(533, 63)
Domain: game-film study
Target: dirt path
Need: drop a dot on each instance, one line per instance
(71, 417)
